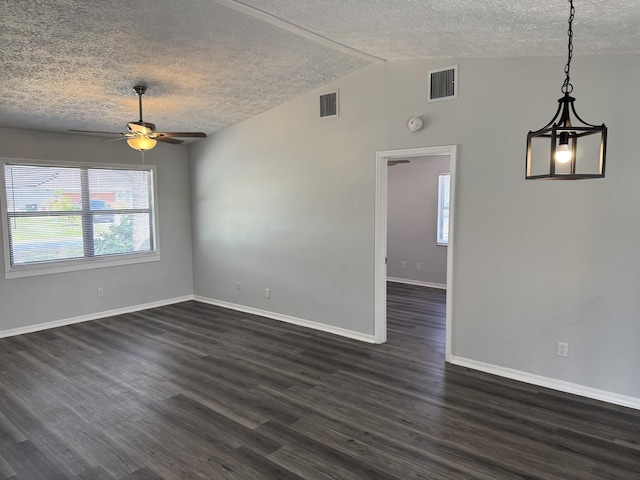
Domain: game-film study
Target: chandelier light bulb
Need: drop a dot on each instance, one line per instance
(563, 154)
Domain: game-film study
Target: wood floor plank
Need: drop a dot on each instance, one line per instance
(379, 451)
(29, 462)
(144, 473)
(6, 471)
(206, 422)
(96, 473)
(318, 455)
(196, 391)
(43, 438)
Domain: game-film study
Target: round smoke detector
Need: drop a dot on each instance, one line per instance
(415, 124)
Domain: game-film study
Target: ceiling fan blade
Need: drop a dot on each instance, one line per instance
(95, 132)
(391, 163)
(173, 141)
(123, 137)
(182, 134)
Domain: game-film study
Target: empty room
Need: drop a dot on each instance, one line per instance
(319, 240)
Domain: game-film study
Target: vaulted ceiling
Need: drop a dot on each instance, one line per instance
(71, 64)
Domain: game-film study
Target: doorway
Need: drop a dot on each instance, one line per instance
(380, 267)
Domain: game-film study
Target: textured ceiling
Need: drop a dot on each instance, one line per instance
(71, 64)
(405, 29)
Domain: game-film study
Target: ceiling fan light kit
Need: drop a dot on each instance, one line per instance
(566, 160)
(142, 135)
(142, 143)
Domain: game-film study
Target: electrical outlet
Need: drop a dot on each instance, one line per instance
(100, 292)
(563, 349)
(267, 293)
(404, 264)
(418, 266)
(238, 286)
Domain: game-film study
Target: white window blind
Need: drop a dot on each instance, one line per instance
(76, 214)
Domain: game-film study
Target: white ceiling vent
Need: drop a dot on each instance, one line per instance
(443, 84)
(329, 104)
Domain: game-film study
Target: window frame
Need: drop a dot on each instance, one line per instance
(441, 208)
(84, 263)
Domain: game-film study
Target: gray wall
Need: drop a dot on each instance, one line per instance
(412, 217)
(286, 200)
(538, 262)
(283, 201)
(33, 300)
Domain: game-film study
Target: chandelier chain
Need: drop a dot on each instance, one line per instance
(567, 87)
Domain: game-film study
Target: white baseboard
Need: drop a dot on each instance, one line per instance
(419, 283)
(288, 319)
(552, 383)
(92, 316)
(136, 308)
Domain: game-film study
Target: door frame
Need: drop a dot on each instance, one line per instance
(380, 246)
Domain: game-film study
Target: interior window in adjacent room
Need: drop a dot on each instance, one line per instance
(444, 182)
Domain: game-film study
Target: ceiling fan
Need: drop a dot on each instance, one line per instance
(142, 135)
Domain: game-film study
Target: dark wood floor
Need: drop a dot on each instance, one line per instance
(192, 391)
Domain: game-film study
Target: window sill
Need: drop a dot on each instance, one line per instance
(78, 265)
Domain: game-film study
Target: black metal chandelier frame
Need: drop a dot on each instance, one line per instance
(561, 130)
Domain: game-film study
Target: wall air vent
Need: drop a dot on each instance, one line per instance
(329, 104)
(443, 84)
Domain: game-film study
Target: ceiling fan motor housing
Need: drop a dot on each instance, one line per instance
(144, 128)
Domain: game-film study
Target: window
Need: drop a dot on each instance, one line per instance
(444, 182)
(61, 218)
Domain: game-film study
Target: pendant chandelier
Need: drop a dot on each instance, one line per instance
(566, 158)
